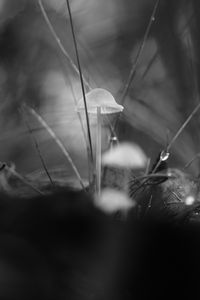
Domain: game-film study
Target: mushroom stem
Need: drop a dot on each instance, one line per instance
(98, 153)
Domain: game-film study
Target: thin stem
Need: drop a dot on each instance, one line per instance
(65, 53)
(90, 166)
(152, 60)
(22, 178)
(191, 161)
(36, 145)
(147, 166)
(150, 64)
(81, 79)
(156, 175)
(166, 151)
(135, 64)
(57, 140)
(183, 127)
(98, 153)
(112, 130)
(58, 41)
(137, 58)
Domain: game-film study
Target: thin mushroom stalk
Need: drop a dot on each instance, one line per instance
(98, 154)
(99, 102)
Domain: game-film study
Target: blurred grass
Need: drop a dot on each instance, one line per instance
(33, 70)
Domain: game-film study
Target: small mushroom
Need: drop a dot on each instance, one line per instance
(99, 102)
(112, 200)
(125, 155)
(100, 98)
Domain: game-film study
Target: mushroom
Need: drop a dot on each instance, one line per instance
(113, 200)
(125, 155)
(99, 102)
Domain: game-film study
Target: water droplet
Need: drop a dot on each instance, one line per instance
(164, 155)
(113, 141)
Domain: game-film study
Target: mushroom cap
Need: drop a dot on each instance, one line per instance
(125, 155)
(112, 200)
(99, 98)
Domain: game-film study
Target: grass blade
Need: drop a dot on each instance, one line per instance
(65, 53)
(81, 80)
(22, 178)
(58, 142)
(165, 152)
(135, 64)
(58, 41)
(36, 145)
(139, 53)
(183, 127)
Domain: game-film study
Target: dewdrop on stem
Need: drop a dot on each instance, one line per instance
(164, 155)
(113, 141)
(99, 102)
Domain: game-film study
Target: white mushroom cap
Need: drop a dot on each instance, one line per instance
(112, 200)
(99, 98)
(125, 155)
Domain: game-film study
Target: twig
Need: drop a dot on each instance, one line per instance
(57, 140)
